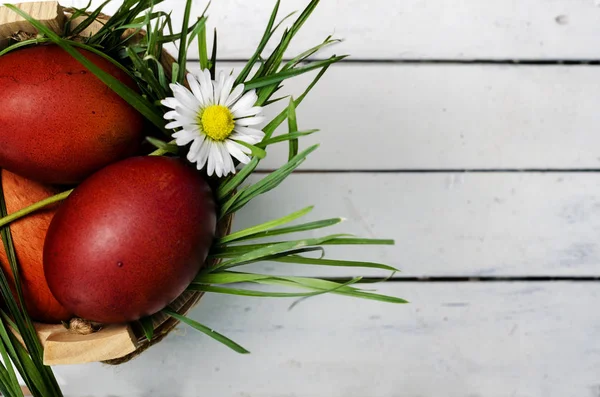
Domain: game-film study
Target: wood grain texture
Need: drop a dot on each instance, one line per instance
(413, 29)
(501, 224)
(455, 340)
(445, 117)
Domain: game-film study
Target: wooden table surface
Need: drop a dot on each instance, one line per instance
(467, 130)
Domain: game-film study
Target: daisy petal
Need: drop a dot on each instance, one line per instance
(230, 167)
(210, 166)
(184, 137)
(173, 124)
(185, 97)
(219, 83)
(206, 86)
(235, 95)
(253, 111)
(202, 156)
(243, 138)
(170, 102)
(254, 134)
(219, 164)
(226, 90)
(236, 150)
(195, 148)
(250, 121)
(195, 87)
(245, 102)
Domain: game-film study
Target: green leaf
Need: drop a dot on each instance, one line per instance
(91, 18)
(292, 127)
(203, 48)
(286, 137)
(226, 188)
(182, 58)
(276, 122)
(266, 184)
(228, 277)
(163, 146)
(330, 262)
(360, 241)
(292, 229)
(23, 43)
(148, 327)
(263, 227)
(272, 249)
(336, 288)
(248, 292)
(255, 150)
(275, 78)
(210, 332)
(303, 56)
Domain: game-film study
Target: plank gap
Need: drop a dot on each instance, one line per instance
(443, 61)
(439, 171)
(470, 279)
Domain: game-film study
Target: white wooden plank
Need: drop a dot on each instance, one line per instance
(449, 224)
(387, 29)
(454, 340)
(441, 117)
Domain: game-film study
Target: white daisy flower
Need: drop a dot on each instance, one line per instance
(214, 117)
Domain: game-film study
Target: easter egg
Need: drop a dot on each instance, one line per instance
(130, 239)
(28, 234)
(60, 123)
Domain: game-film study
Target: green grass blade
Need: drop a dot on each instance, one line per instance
(210, 332)
(276, 122)
(292, 128)
(91, 18)
(227, 277)
(303, 56)
(261, 45)
(147, 327)
(232, 252)
(249, 292)
(293, 229)
(331, 262)
(359, 241)
(270, 250)
(182, 58)
(163, 146)
(275, 78)
(266, 184)
(286, 137)
(23, 43)
(229, 187)
(255, 150)
(263, 227)
(336, 288)
(203, 48)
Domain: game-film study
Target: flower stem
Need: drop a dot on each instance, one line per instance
(34, 207)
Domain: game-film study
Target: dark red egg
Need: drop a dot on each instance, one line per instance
(59, 122)
(130, 239)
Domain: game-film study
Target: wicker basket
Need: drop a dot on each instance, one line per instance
(115, 344)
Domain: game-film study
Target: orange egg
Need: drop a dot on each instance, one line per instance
(28, 235)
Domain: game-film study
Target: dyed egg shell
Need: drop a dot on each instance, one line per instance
(60, 123)
(130, 239)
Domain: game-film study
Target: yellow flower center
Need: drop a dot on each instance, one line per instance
(216, 122)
